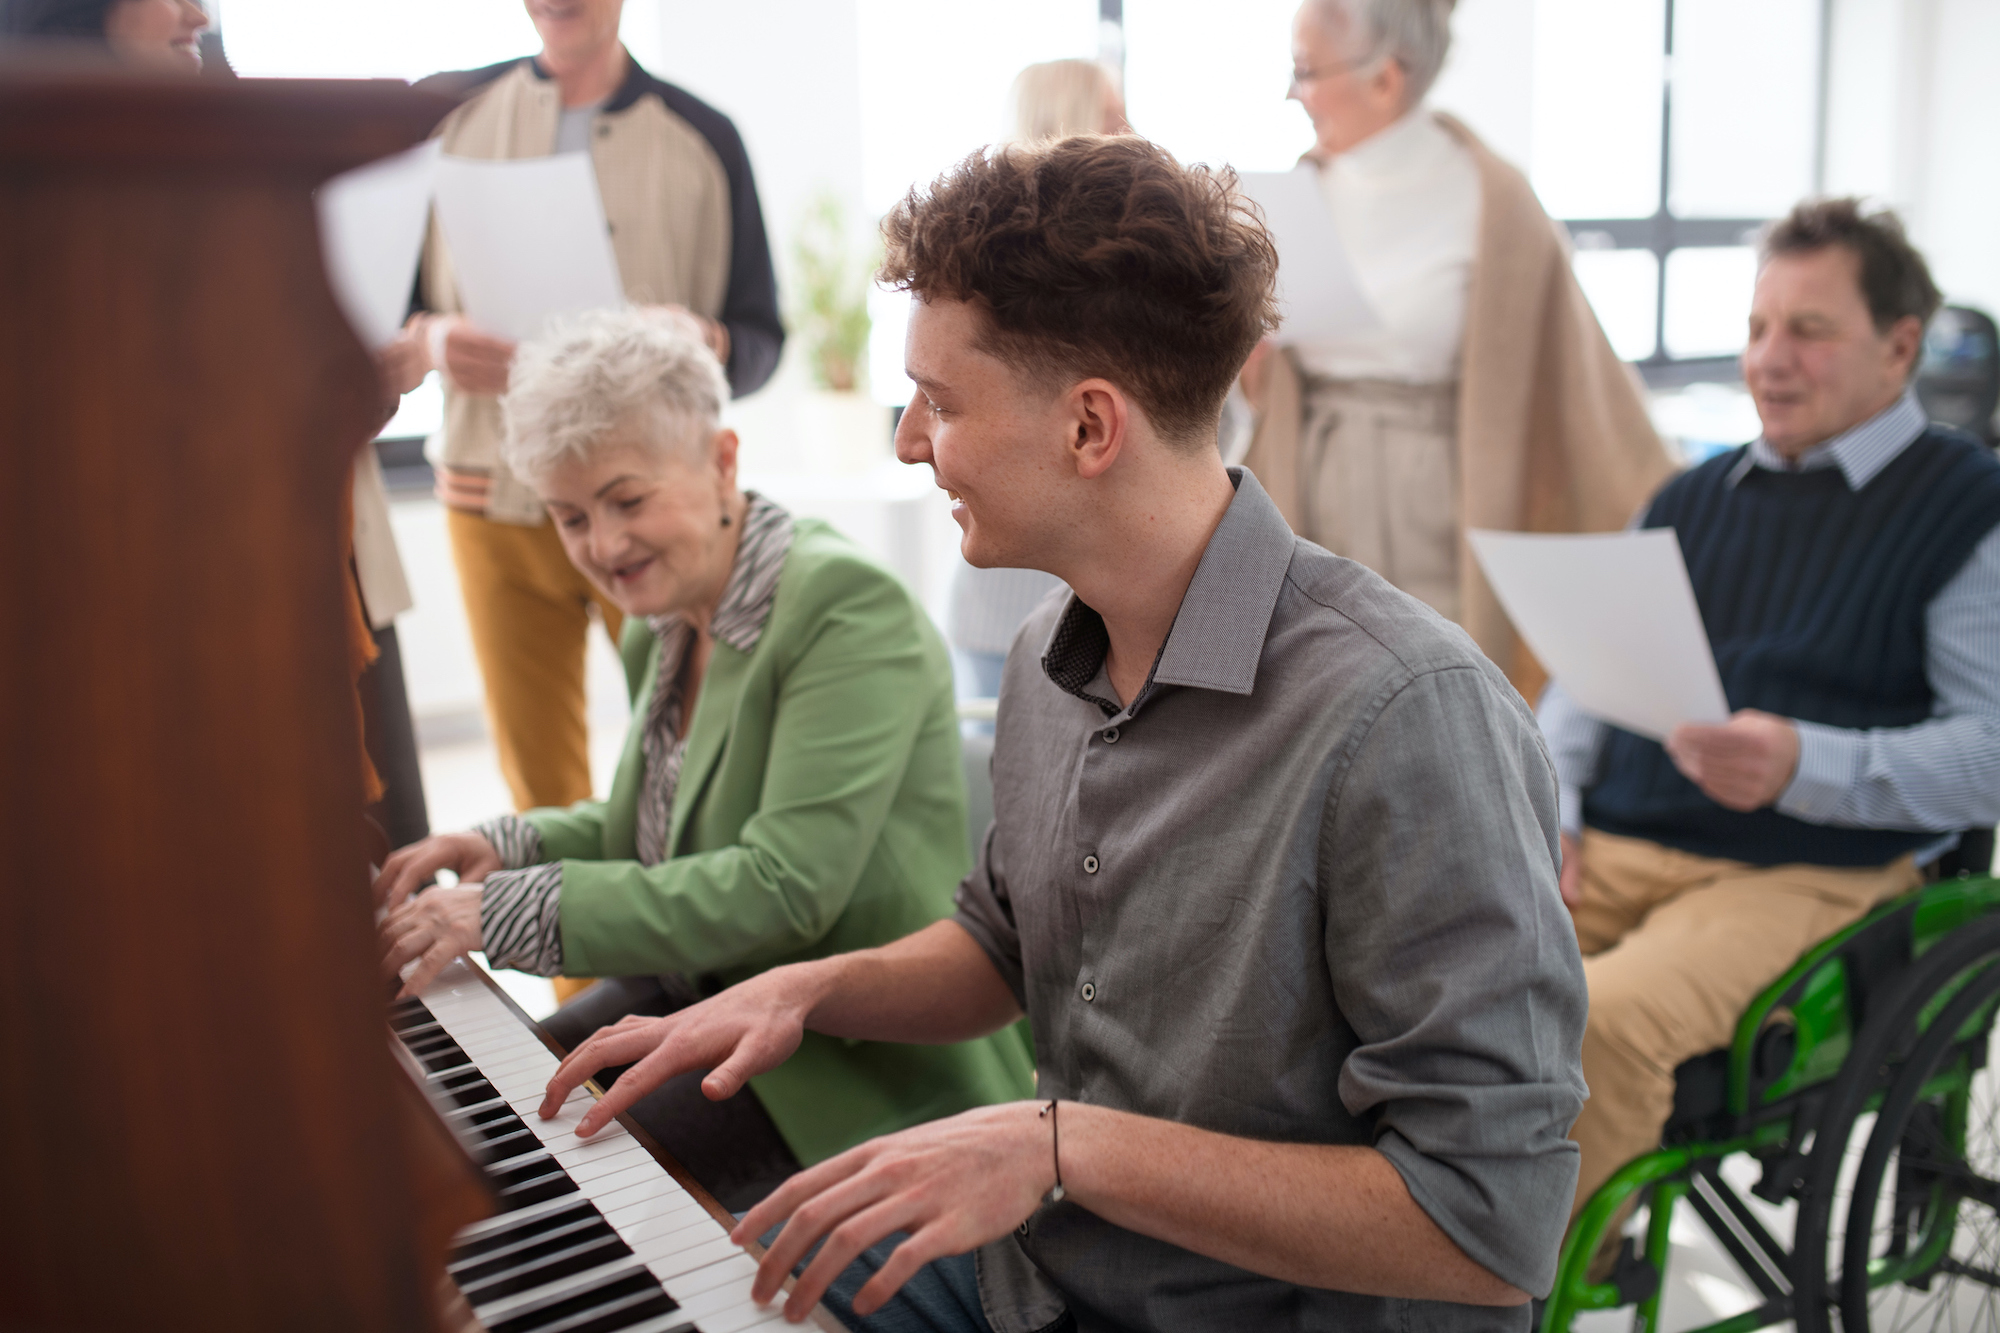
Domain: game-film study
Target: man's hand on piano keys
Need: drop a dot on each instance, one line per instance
(467, 855)
(952, 1184)
(749, 1028)
(429, 931)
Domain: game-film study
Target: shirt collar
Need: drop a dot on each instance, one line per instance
(753, 580)
(1860, 452)
(1217, 637)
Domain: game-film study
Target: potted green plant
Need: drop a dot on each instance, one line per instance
(841, 428)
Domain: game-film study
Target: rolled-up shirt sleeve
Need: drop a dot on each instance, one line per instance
(986, 913)
(1452, 958)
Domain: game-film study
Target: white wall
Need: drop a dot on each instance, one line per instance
(1488, 80)
(1913, 105)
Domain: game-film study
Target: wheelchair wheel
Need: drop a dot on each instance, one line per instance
(1921, 1248)
(1845, 1123)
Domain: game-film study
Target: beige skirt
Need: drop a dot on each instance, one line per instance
(1378, 480)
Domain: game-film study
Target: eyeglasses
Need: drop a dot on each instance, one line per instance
(1301, 77)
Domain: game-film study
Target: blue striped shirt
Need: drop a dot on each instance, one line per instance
(1942, 774)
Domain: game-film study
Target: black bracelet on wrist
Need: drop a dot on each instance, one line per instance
(1055, 1148)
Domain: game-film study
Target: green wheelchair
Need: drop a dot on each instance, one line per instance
(1858, 1082)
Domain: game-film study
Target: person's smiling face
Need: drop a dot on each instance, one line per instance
(575, 28)
(164, 34)
(994, 438)
(1815, 363)
(645, 524)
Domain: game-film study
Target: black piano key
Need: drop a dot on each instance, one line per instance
(599, 1301)
(533, 1181)
(626, 1313)
(539, 1265)
(504, 1230)
(485, 1263)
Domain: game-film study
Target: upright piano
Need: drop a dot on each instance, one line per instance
(209, 1116)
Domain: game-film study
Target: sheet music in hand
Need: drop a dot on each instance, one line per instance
(1612, 616)
(529, 243)
(1319, 293)
(371, 227)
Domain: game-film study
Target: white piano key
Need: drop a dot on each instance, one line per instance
(738, 1267)
(667, 1242)
(667, 1202)
(687, 1260)
(646, 1174)
(689, 1214)
(745, 1318)
(630, 1158)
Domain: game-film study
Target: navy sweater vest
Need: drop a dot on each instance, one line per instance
(1813, 596)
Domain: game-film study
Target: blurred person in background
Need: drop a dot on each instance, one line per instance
(160, 34)
(1488, 397)
(688, 233)
(1052, 100)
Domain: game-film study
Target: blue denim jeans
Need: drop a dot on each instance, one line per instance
(940, 1297)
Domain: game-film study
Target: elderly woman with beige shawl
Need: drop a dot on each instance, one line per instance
(1488, 397)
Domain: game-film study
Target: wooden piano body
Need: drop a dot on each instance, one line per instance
(202, 1125)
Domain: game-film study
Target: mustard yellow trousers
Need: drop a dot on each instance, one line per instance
(1675, 947)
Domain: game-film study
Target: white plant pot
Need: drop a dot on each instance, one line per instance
(842, 432)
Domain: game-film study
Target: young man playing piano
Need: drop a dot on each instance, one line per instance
(1272, 869)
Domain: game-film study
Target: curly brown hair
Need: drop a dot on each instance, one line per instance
(1098, 257)
(1895, 281)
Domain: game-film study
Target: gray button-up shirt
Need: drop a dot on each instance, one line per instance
(1303, 889)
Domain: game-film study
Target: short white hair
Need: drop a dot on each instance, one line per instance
(1416, 34)
(595, 373)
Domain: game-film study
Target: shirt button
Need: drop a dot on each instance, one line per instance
(1111, 735)
(1090, 865)
(1089, 991)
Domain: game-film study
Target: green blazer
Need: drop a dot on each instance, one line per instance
(821, 809)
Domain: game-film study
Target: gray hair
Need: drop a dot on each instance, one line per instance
(611, 368)
(1416, 34)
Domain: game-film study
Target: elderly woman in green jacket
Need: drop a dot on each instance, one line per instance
(789, 788)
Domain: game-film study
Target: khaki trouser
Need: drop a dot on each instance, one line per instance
(529, 611)
(1675, 947)
(1378, 481)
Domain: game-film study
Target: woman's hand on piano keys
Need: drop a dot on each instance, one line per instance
(429, 931)
(467, 855)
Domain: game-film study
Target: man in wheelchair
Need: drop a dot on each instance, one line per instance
(1847, 567)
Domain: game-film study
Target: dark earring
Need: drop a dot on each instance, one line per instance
(725, 520)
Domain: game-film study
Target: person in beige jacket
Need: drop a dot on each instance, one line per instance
(1488, 397)
(688, 233)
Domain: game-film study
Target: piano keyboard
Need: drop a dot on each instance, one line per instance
(591, 1237)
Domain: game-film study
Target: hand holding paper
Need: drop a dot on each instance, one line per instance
(1613, 618)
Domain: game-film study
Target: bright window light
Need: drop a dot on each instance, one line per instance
(372, 39)
(1624, 290)
(1211, 88)
(922, 112)
(1598, 70)
(1708, 299)
(1737, 66)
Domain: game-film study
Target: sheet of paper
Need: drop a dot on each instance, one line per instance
(528, 241)
(1318, 293)
(1613, 618)
(371, 231)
